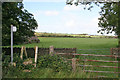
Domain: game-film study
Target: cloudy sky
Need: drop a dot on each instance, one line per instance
(57, 17)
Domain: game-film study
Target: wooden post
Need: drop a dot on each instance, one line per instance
(84, 64)
(25, 52)
(36, 52)
(51, 50)
(23, 49)
(74, 64)
(116, 63)
(111, 51)
(21, 55)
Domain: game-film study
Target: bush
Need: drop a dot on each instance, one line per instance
(33, 39)
(57, 63)
(8, 68)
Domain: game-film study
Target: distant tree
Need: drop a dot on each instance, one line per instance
(15, 14)
(110, 16)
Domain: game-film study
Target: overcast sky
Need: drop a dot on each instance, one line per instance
(54, 16)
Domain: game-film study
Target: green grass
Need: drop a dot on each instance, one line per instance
(79, 43)
(47, 73)
(84, 46)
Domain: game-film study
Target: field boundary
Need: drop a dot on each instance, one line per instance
(75, 60)
(41, 51)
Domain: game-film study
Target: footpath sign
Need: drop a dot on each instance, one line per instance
(13, 29)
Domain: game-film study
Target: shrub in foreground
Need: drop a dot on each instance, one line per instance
(55, 62)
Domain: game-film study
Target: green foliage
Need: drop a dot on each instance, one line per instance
(109, 18)
(5, 60)
(49, 68)
(109, 15)
(10, 69)
(48, 72)
(109, 21)
(56, 62)
(15, 14)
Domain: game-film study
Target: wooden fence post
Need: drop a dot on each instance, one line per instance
(25, 52)
(21, 55)
(36, 52)
(111, 51)
(74, 64)
(23, 49)
(51, 50)
(84, 64)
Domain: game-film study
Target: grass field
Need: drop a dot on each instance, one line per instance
(84, 46)
(79, 43)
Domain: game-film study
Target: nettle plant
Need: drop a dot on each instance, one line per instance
(56, 62)
(19, 63)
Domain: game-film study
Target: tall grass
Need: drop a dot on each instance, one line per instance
(48, 73)
(44, 70)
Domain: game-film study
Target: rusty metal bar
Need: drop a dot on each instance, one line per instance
(101, 71)
(96, 55)
(88, 55)
(97, 60)
(99, 66)
(70, 59)
(101, 76)
(66, 53)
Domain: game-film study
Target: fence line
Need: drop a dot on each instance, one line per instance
(89, 55)
(85, 60)
(41, 51)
